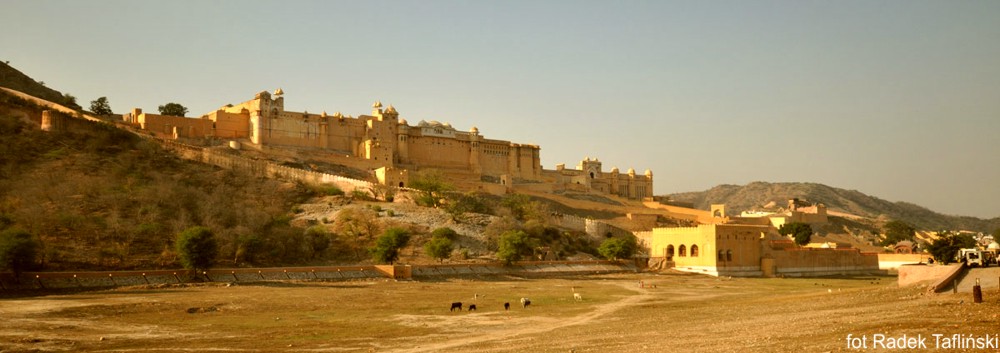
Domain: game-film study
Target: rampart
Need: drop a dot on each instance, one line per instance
(261, 168)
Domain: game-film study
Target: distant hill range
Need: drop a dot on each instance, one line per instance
(14, 79)
(767, 196)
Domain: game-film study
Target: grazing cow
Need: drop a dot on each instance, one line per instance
(472, 307)
(577, 296)
(456, 305)
(506, 306)
(525, 302)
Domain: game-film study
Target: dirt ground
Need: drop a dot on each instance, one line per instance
(671, 313)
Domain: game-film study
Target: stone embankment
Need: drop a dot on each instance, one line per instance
(70, 280)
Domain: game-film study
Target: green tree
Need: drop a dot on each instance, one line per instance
(18, 250)
(197, 248)
(387, 245)
(174, 109)
(439, 248)
(897, 231)
(514, 245)
(317, 240)
(618, 247)
(432, 185)
(100, 106)
(445, 232)
(801, 232)
(946, 247)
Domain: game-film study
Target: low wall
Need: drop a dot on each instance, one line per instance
(823, 262)
(936, 276)
(894, 261)
(92, 279)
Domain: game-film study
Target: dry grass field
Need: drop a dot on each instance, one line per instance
(681, 313)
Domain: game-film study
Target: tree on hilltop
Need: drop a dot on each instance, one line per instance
(100, 106)
(173, 109)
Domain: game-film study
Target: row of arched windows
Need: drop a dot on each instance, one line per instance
(682, 251)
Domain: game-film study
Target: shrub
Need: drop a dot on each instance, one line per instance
(316, 240)
(247, 247)
(331, 190)
(386, 249)
(445, 232)
(18, 250)
(513, 245)
(439, 248)
(390, 213)
(197, 248)
(618, 248)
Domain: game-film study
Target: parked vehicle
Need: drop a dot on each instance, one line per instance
(974, 257)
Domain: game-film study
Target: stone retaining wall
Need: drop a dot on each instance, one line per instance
(69, 280)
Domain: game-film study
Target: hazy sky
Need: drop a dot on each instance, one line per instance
(897, 99)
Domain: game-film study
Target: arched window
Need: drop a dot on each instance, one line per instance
(682, 251)
(670, 251)
(722, 255)
(401, 184)
(694, 251)
(729, 255)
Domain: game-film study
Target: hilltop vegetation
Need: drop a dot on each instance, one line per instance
(16, 80)
(756, 195)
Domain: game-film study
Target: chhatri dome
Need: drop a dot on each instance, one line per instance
(278, 92)
(994, 246)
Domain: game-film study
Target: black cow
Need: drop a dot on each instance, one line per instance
(472, 307)
(506, 306)
(456, 305)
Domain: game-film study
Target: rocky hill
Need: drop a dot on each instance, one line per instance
(14, 79)
(757, 195)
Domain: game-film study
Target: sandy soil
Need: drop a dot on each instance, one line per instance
(682, 313)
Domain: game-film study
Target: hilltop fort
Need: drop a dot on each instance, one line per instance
(391, 147)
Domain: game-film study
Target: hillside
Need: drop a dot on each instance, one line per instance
(14, 79)
(756, 195)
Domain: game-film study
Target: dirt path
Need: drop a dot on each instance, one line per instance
(535, 325)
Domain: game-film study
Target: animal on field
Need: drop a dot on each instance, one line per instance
(506, 306)
(577, 296)
(525, 302)
(456, 305)
(472, 307)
